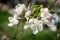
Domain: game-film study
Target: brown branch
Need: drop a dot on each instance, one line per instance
(52, 4)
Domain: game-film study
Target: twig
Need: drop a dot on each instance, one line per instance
(52, 4)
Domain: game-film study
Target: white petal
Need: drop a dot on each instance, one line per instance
(26, 26)
(42, 14)
(10, 19)
(40, 27)
(12, 11)
(28, 13)
(35, 21)
(42, 9)
(10, 24)
(16, 22)
(34, 29)
(18, 11)
(23, 6)
(53, 28)
(46, 10)
(27, 17)
(15, 16)
(50, 22)
(51, 25)
(31, 20)
(18, 5)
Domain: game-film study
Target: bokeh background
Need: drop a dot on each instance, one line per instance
(15, 32)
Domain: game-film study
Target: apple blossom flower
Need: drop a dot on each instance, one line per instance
(27, 14)
(45, 10)
(19, 8)
(45, 14)
(45, 17)
(36, 25)
(13, 21)
(33, 23)
(51, 25)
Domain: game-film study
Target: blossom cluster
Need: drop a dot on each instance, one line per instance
(34, 23)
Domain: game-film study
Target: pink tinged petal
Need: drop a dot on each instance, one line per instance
(23, 6)
(46, 10)
(18, 12)
(4, 37)
(50, 22)
(16, 22)
(28, 13)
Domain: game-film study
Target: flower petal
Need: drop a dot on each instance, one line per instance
(34, 29)
(10, 24)
(10, 19)
(16, 22)
(53, 28)
(26, 26)
(40, 27)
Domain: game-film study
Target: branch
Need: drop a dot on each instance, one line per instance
(52, 4)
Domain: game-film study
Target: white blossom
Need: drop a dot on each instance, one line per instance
(19, 8)
(35, 25)
(51, 25)
(23, 6)
(13, 21)
(46, 18)
(18, 11)
(45, 12)
(27, 14)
